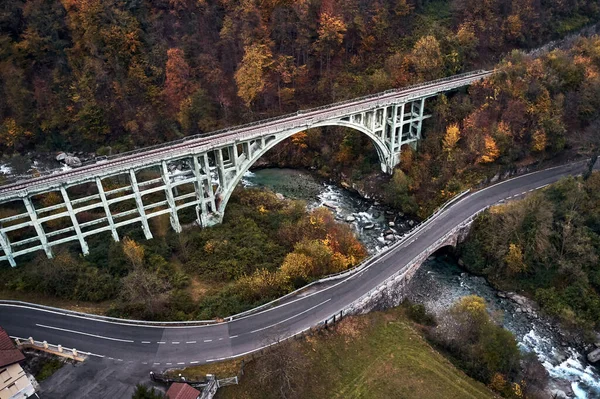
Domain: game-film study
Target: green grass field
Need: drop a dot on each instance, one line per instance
(379, 355)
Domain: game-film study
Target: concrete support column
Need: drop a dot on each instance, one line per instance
(235, 157)
(5, 244)
(74, 221)
(208, 182)
(246, 149)
(221, 169)
(170, 199)
(198, 187)
(384, 126)
(109, 217)
(393, 129)
(401, 125)
(37, 226)
(420, 123)
(140, 204)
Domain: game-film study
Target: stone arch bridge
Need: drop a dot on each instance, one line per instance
(198, 172)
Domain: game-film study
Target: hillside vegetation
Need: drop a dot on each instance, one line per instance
(378, 355)
(79, 75)
(546, 245)
(265, 248)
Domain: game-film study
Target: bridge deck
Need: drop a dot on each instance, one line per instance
(203, 142)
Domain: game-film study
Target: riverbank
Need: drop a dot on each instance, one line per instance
(377, 225)
(441, 281)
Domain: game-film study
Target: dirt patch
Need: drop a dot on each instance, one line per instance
(351, 327)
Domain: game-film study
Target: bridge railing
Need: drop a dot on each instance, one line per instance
(291, 115)
(406, 268)
(241, 128)
(363, 265)
(336, 276)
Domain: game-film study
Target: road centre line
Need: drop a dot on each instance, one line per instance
(161, 342)
(317, 292)
(175, 342)
(146, 342)
(130, 324)
(208, 340)
(190, 342)
(290, 318)
(84, 333)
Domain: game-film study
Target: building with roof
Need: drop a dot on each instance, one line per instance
(14, 382)
(179, 390)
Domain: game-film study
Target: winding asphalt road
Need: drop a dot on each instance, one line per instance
(157, 347)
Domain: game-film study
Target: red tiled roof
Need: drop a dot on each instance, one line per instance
(9, 354)
(179, 390)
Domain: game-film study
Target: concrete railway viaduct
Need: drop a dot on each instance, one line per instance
(198, 172)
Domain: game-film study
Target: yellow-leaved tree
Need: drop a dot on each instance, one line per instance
(491, 151)
(539, 141)
(514, 259)
(427, 58)
(134, 252)
(451, 139)
(251, 75)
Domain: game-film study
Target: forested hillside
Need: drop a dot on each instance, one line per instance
(546, 245)
(83, 74)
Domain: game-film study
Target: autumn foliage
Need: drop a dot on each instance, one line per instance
(78, 75)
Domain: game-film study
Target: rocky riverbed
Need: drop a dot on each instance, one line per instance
(376, 225)
(440, 282)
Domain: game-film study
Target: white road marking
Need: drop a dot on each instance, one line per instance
(146, 342)
(290, 318)
(84, 333)
(195, 362)
(208, 340)
(175, 342)
(190, 342)
(168, 364)
(161, 342)
(220, 339)
(181, 363)
(156, 364)
(233, 336)
(93, 354)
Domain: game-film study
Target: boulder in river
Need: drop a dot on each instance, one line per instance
(389, 237)
(350, 218)
(594, 356)
(61, 156)
(368, 226)
(330, 206)
(391, 224)
(280, 196)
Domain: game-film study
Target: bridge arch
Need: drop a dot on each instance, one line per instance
(271, 141)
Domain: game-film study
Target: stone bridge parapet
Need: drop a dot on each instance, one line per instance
(392, 291)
